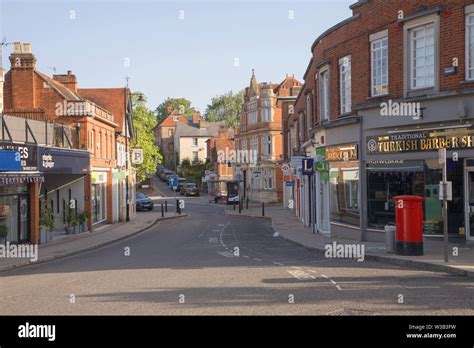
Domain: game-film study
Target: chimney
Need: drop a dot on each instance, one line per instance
(222, 132)
(202, 122)
(21, 82)
(196, 117)
(69, 80)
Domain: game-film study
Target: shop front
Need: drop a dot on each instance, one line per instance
(99, 196)
(407, 163)
(19, 182)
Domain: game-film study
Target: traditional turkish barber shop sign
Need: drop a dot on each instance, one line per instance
(420, 141)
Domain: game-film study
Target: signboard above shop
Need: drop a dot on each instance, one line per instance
(420, 141)
(28, 155)
(63, 161)
(342, 153)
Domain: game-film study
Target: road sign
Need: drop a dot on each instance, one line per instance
(308, 166)
(285, 168)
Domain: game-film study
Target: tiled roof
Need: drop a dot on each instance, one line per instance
(170, 122)
(211, 129)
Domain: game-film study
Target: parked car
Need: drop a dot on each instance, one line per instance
(181, 181)
(165, 174)
(189, 189)
(143, 202)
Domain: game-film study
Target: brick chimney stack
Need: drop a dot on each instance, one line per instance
(21, 77)
(195, 117)
(69, 80)
(202, 122)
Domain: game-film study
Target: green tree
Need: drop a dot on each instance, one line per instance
(144, 121)
(181, 104)
(226, 107)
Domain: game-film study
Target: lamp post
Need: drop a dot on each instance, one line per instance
(128, 99)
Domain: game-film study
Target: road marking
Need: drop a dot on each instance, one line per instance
(421, 287)
(226, 253)
(216, 230)
(338, 287)
(278, 263)
(300, 275)
(256, 259)
(213, 240)
(324, 276)
(247, 257)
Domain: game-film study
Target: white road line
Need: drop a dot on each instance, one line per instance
(313, 271)
(332, 281)
(278, 263)
(421, 287)
(324, 276)
(338, 287)
(256, 259)
(247, 257)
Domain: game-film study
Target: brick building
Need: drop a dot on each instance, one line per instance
(164, 136)
(87, 126)
(411, 63)
(219, 149)
(259, 137)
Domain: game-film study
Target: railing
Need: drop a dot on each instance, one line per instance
(44, 133)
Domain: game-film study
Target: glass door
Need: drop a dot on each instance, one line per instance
(470, 205)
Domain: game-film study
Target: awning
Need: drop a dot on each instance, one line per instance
(20, 178)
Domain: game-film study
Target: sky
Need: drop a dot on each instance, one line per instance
(189, 48)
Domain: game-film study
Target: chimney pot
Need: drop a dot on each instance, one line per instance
(69, 72)
(26, 47)
(16, 47)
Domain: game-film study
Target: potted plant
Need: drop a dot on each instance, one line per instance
(47, 223)
(70, 219)
(82, 221)
(3, 233)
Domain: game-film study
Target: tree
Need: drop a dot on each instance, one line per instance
(226, 107)
(144, 121)
(181, 104)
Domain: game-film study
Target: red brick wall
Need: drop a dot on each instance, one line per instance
(377, 15)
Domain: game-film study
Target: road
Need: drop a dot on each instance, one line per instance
(191, 266)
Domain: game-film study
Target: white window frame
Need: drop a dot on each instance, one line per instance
(268, 179)
(383, 86)
(324, 111)
(345, 85)
(411, 31)
(254, 144)
(197, 157)
(267, 145)
(469, 33)
(195, 141)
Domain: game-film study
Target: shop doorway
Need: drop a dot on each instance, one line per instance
(470, 204)
(14, 218)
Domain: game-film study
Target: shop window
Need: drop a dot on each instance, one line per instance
(387, 179)
(344, 193)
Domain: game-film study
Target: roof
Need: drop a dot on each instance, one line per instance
(112, 99)
(65, 92)
(211, 129)
(170, 122)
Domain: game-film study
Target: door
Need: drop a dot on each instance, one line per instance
(470, 205)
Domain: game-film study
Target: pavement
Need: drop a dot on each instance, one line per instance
(291, 228)
(68, 245)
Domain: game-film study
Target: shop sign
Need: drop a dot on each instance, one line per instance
(10, 160)
(99, 177)
(320, 163)
(63, 161)
(308, 166)
(118, 175)
(420, 141)
(28, 155)
(342, 153)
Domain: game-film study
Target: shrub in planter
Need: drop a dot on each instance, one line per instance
(70, 219)
(47, 223)
(82, 221)
(3, 233)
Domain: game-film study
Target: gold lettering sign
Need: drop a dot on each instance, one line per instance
(342, 153)
(420, 141)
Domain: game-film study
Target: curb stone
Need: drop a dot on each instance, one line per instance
(89, 248)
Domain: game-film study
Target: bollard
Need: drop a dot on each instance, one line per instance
(162, 210)
(240, 206)
(177, 207)
(263, 209)
(166, 206)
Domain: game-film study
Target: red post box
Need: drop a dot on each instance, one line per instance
(409, 221)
